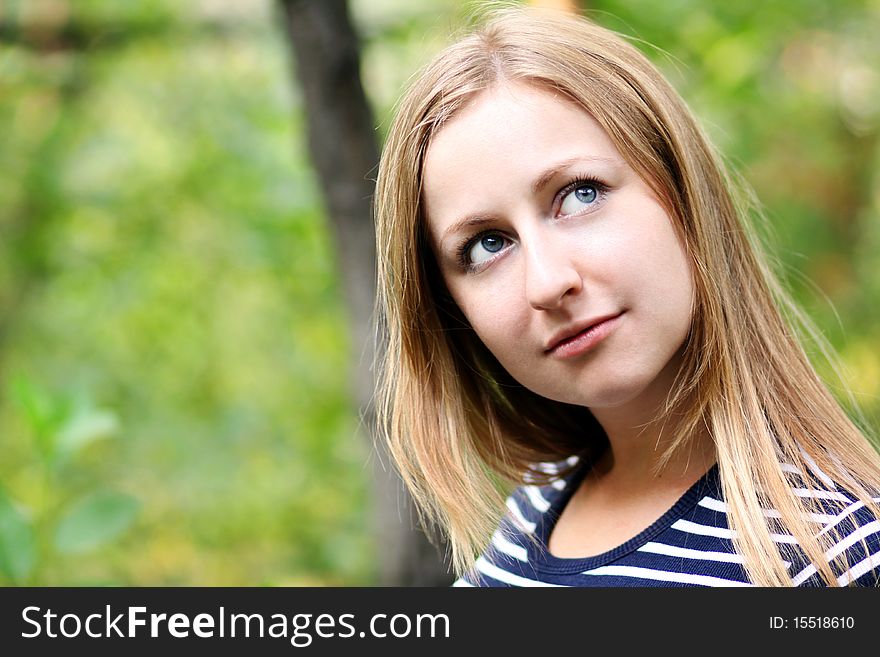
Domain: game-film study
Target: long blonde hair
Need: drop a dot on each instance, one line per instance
(462, 431)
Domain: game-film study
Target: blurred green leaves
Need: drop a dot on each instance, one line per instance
(17, 546)
(168, 286)
(61, 428)
(95, 520)
(85, 428)
(70, 514)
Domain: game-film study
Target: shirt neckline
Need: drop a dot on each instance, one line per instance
(541, 560)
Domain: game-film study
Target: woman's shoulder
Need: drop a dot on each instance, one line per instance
(537, 501)
(853, 528)
(535, 496)
(526, 508)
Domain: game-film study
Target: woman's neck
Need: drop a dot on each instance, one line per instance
(638, 440)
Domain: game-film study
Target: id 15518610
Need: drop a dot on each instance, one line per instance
(812, 623)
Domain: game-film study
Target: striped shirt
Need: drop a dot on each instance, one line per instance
(689, 545)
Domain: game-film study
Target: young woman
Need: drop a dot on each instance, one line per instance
(574, 303)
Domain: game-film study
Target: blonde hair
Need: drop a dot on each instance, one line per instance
(462, 430)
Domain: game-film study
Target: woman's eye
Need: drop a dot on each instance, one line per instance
(579, 198)
(485, 247)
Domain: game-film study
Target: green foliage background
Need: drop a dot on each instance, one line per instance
(173, 349)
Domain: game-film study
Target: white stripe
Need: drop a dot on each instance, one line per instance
(495, 572)
(526, 525)
(784, 538)
(821, 494)
(713, 504)
(811, 464)
(558, 484)
(720, 532)
(462, 582)
(536, 498)
(860, 569)
(858, 535)
(804, 575)
(822, 518)
(511, 549)
(703, 530)
(688, 553)
(846, 512)
(647, 573)
(788, 467)
(718, 505)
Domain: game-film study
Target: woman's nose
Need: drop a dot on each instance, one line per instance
(551, 275)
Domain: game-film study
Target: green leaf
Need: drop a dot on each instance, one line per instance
(17, 548)
(85, 428)
(95, 520)
(43, 413)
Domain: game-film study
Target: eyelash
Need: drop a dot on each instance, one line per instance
(584, 180)
(575, 182)
(465, 248)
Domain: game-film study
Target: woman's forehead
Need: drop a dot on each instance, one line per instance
(514, 134)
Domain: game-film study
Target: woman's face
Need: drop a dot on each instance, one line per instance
(561, 258)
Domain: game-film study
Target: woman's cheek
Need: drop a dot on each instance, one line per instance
(493, 316)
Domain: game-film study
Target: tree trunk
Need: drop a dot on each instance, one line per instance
(343, 149)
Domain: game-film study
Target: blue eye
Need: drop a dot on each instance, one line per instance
(580, 197)
(484, 248)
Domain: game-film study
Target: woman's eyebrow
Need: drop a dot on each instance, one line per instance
(540, 183)
(466, 222)
(551, 172)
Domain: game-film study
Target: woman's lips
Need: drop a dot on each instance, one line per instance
(585, 340)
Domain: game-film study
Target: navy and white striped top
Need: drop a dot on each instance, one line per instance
(690, 545)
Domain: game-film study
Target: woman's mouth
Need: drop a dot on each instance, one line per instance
(575, 340)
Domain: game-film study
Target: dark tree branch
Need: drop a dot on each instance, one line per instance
(343, 149)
